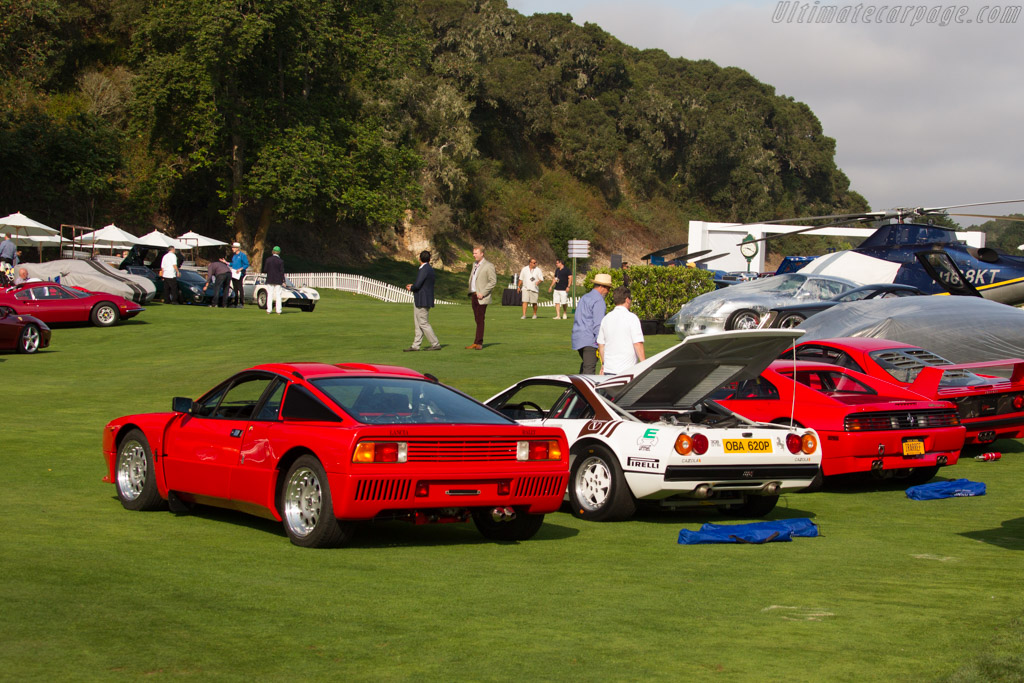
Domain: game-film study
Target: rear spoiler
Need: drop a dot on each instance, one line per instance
(927, 381)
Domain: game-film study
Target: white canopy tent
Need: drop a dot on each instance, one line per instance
(108, 236)
(194, 239)
(159, 239)
(20, 226)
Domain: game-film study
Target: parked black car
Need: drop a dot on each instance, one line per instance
(791, 316)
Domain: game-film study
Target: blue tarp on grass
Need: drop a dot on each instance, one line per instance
(955, 488)
(755, 532)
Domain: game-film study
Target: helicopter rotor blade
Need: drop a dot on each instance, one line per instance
(707, 258)
(1018, 219)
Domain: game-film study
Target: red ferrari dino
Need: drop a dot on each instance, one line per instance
(54, 303)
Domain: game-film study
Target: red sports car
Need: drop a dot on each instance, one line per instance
(22, 333)
(322, 447)
(865, 424)
(54, 303)
(990, 407)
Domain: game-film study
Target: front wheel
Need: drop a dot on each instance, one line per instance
(135, 474)
(743, 319)
(307, 510)
(28, 341)
(752, 506)
(261, 298)
(597, 488)
(105, 315)
(523, 527)
(791, 320)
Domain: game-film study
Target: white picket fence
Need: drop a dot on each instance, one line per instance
(357, 284)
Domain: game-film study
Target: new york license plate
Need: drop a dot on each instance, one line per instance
(747, 445)
(913, 448)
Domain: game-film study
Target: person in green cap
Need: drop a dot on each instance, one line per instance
(274, 268)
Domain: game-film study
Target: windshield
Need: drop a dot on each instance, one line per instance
(192, 277)
(390, 400)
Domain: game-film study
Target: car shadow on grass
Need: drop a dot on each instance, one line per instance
(388, 533)
(649, 514)
(1009, 535)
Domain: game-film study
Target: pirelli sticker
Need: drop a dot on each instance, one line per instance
(747, 445)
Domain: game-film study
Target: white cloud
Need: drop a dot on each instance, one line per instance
(923, 115)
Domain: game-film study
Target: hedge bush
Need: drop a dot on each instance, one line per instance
(658, 291)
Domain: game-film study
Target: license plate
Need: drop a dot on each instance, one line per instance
(747, 445)
(913, 448)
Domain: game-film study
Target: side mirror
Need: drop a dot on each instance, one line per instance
(180, 404)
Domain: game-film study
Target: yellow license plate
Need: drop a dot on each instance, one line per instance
(748, 445)
(913, 447)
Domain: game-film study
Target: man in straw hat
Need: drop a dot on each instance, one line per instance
(587, 323)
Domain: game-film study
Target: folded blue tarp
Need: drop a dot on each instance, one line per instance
(755, 532)
(955, 488)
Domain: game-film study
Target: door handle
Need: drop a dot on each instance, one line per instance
(236, 432)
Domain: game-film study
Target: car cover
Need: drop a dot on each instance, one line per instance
(755, 532)
(954, 488)
(960, 329)
(94, 276)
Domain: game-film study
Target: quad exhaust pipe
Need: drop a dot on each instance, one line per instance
(503, 514)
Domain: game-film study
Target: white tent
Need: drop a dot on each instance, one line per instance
(194, 239)
(21, 226)
(158, 239)
(108, 236)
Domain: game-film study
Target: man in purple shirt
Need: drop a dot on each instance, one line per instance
(587, 323)
(217, 274)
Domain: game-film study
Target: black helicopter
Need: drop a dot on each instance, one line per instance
(931, 258)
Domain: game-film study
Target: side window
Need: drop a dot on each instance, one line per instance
(748, 389)
(532, 401)
(241, 399)
(204, 407)
(272, 404)
(572, 406)
(24, 295)
(299, 404)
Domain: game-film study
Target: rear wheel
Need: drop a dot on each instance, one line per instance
(743, 319)
(523, 527)
(28, 340)
(307, 510)
(135, 477)
(104, 315)
(597, 487)
(791, 320)
(752, 506)
(261, 298)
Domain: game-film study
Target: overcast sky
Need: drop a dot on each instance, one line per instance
(923, 114)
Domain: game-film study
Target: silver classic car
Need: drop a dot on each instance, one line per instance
(742, 306)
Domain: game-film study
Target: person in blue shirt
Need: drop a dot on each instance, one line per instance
(587, 323)
(239, 264)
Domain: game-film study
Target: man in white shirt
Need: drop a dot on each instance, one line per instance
(620, 342)
(530, 278)
(169, 272)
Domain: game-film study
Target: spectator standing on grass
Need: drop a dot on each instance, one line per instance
(620, 341)
(217, 274)
(560, 284)
(482, 279)
(587, 323)
(169, 272)
(274, 268)
(239, 265)
(423, 301)
(530, 278)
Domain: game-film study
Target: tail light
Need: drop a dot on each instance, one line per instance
(538, 450)
(381, 451)
(808, 443)
(793, 443)
(1018, 402)
(684, 444)
(700, 444)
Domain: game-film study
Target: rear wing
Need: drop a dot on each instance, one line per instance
(1016, 366)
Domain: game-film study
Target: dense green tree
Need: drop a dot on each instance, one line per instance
(283, 104)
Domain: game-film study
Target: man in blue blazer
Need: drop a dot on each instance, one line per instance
(423, 301)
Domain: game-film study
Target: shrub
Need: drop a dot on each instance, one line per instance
(657, 291)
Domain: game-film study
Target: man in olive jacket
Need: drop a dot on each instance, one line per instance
(481, 281)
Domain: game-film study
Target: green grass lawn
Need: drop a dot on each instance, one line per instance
(893, 589)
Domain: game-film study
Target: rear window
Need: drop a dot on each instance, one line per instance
(389, 400)
(904, 365)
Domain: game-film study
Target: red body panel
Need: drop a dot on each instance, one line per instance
(240, 463)
(63, 310)
(986, 411)
(845, 451)
(12, 325)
